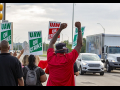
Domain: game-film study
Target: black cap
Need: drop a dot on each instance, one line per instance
(61, 48)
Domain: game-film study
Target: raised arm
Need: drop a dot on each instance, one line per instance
(22, 51)
(15, 54)
(79, 39)
(54, 39)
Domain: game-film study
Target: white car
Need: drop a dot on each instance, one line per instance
(89, 62)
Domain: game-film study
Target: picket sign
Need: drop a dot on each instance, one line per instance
(53, 28)
(35, 43)
(76, 35)
(7, 33)
(25, 46)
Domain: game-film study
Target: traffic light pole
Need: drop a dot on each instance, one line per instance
(4, 12)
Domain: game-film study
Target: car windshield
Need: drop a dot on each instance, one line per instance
(90, 57)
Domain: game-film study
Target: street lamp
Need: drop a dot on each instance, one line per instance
(18, 43)
(15, 43)
(102, 27)
(67, 36)
(72, 22)
(62, 37)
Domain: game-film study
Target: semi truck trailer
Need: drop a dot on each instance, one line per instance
(107, 47)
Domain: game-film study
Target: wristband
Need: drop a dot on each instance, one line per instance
(79, 31)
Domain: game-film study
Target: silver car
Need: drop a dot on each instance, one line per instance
(89, 62)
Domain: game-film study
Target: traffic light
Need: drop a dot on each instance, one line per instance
(1, 8)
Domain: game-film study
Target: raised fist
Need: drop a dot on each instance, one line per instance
(22, 51)
(63, 26)
(78, 24)
(15, 54)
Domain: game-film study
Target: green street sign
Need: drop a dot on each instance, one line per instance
(35, 43)
(7, 33)
(76, 35)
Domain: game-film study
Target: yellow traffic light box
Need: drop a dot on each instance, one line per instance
(1, 8)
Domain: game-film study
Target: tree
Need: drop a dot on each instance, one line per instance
(83, 49)
(17, 47)
(68, 45)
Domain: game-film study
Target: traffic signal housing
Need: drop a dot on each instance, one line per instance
(1, 8)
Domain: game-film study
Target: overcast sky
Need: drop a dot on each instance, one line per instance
(36, 16)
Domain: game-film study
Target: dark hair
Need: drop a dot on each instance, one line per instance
(31, 60)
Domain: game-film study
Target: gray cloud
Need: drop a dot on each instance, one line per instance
(36, 16)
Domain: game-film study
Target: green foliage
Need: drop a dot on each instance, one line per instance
(43, 55)
(68, 45)
(83, 49)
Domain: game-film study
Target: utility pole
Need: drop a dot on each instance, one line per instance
(72, 22)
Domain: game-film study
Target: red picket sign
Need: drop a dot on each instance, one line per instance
(53, 27)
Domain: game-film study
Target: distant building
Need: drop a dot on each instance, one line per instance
(17, 44)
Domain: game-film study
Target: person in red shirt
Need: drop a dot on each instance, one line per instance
(42, 64)
(60, 63)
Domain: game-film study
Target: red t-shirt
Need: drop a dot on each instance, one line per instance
(47, 70)
(60, 66)
(42, 64)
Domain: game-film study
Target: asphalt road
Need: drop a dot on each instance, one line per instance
(90, 79)
(108, 79)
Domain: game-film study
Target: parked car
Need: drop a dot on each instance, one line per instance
(89, 62)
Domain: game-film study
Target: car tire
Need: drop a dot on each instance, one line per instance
(102, 73)
(81, 72)
(108, 67)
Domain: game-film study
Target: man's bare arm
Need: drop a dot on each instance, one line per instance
(54, 39)
(79, 39)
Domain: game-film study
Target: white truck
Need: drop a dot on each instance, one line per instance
(107, 47)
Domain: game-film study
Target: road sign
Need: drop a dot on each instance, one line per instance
(7, 33)
(35, 43)
(53, 27)
(76, 35)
